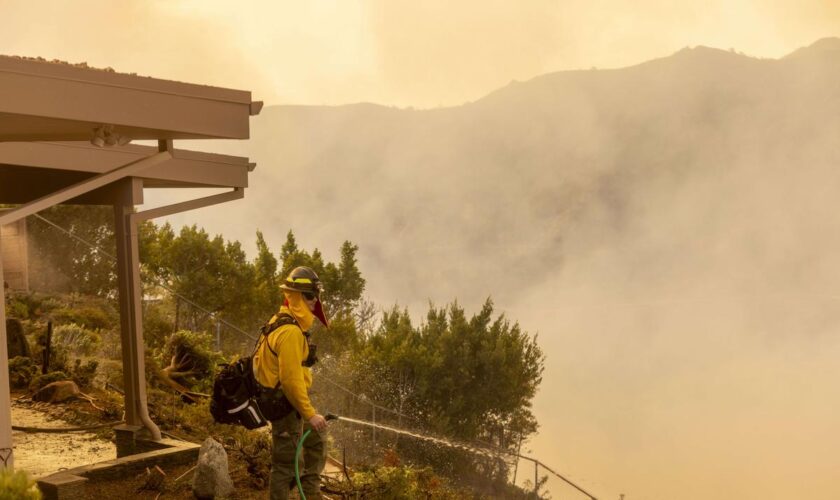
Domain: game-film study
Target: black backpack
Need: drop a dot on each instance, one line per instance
(238, 398)
(234, 395)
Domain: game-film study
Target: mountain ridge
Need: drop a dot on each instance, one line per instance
(698, 55)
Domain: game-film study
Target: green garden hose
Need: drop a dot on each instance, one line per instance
(297, 458)
(329, 416)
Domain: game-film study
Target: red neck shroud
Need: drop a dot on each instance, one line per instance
(318, 312)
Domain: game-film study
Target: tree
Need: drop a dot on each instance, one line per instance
(349, 283)
(217, 276)
(343, 283)
(208, 272)
(66, 263)
(471, 379)
(343, 289)
(268, 291)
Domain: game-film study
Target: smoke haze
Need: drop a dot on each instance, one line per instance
(669, 230)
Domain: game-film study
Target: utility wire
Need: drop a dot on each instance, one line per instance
(157, 279)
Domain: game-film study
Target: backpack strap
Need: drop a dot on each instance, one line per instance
(281, 320)
(287, 319)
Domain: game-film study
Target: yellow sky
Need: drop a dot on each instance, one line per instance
(396, 52)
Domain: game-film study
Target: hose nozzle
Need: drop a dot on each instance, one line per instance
(331, 416)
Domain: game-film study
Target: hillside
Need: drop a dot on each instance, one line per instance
(453, 201)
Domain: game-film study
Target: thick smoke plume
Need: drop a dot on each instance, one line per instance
(671, 230)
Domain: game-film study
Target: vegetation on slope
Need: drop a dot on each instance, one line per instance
(469, 379)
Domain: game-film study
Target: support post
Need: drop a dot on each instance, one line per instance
(131, 320)
(536, 480)
(7, 458)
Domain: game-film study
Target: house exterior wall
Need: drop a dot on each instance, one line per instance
(14, 255)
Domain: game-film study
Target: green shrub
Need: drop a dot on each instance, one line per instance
(189, 359)
(92, 318)
(31, 327)
(16, 485)
(111, 372)
(39, 304)
(17, 309)
(157, 326)
(84, 374)
(49, 305)
(404, 482)
(41, 380)
(111, 346)
(21, 371)
(59, 357)
(77, 339)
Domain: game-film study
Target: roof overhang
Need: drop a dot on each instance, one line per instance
(44, 101)
(61, 124)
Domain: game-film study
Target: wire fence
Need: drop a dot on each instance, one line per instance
(364, 443)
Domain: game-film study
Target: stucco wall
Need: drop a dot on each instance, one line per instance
(14, 254)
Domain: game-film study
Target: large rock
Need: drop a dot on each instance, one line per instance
(212, 479)
(57, 392)
(16, 341)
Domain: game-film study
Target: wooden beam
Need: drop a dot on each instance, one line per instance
(83, 187)
(236, 194)
(19, 185)
(186, 169)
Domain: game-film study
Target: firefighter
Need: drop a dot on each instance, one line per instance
(282, 367)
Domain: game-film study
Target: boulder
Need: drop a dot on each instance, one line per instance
(212, 479)
(57, 392)
(16, 342)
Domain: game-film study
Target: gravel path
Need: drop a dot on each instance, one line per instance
(42, 454)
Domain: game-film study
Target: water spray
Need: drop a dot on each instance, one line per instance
(487, 452)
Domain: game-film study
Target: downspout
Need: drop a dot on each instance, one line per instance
(133, 219)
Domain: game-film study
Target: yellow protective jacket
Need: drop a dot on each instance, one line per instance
(292, 349)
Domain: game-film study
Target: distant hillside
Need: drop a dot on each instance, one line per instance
(492, 196)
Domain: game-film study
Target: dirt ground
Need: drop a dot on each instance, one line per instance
(41, 454)
(176, 485)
